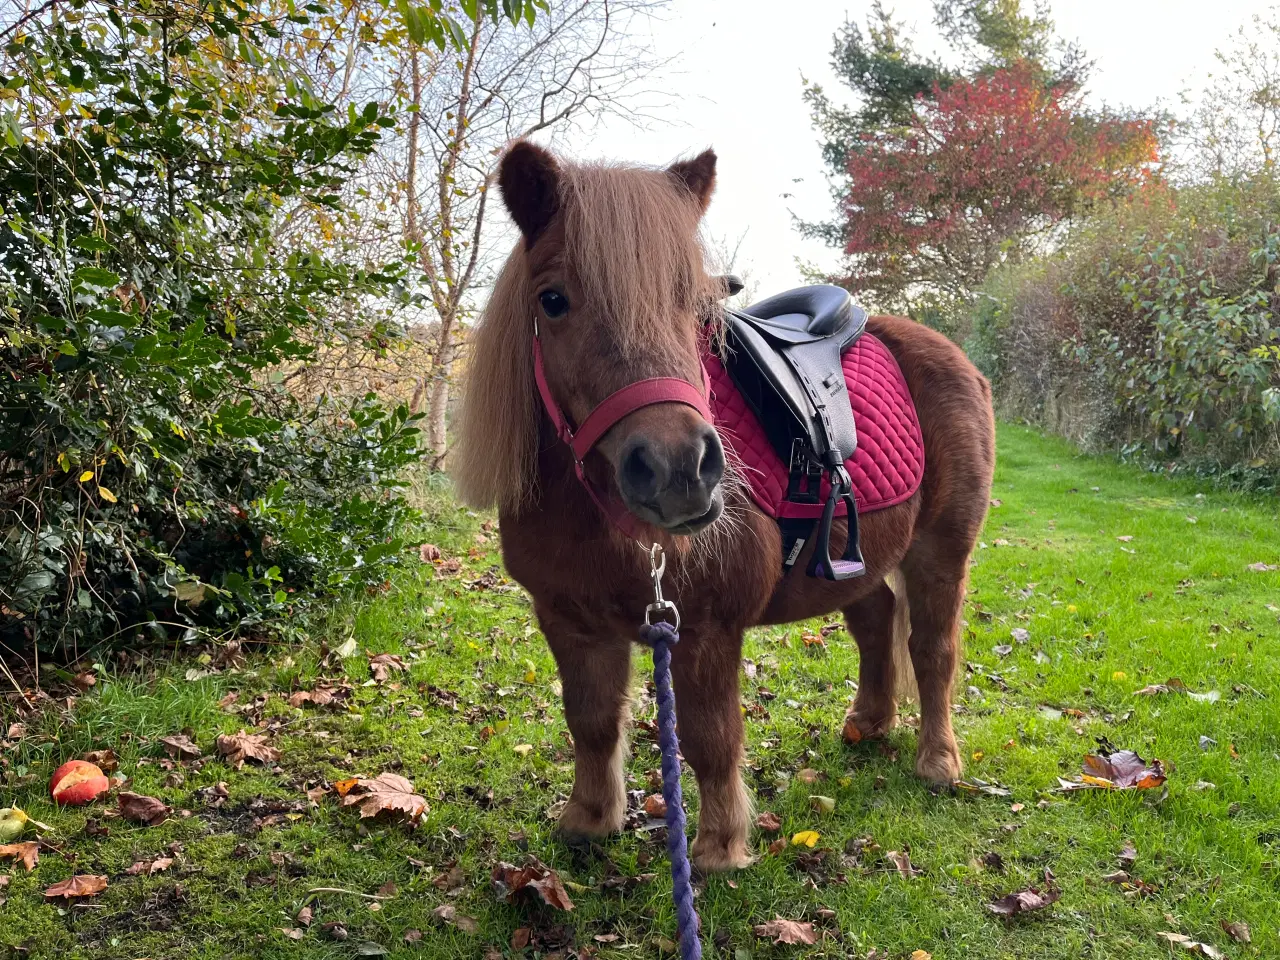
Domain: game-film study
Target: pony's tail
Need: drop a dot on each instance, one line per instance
(904, 674)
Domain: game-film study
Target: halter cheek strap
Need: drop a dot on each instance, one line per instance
(632, 397)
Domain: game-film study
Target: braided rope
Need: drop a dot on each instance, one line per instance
(661, 636)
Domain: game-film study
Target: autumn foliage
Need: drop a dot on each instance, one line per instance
(983, 169)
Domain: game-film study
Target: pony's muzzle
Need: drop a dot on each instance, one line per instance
(673, 484)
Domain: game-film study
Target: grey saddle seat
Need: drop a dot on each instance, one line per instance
(784, 356)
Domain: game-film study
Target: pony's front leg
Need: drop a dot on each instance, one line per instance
(595, 674)
(709, 723)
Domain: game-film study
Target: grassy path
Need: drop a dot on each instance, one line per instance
(475, 724)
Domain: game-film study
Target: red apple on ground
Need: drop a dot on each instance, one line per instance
(76, 783)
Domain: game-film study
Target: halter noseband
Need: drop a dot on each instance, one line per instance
(620, 403)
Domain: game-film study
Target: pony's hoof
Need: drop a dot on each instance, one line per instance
(940, 764)
(580, 819)
(717, 854)
(858, 728)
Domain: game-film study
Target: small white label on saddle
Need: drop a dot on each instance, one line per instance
(795, 552)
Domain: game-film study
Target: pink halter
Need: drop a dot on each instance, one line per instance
(632, 397)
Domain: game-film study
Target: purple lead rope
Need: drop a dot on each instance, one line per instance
(661, 636)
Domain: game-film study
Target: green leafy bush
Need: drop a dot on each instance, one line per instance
(156, 474)
(1154, 329)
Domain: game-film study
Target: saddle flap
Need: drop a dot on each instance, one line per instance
(785, 358)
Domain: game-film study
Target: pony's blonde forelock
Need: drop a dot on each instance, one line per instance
(631, 234)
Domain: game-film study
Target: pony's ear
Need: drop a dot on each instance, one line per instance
(698, 176)
(530, 183)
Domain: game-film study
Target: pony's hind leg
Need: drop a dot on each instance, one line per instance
(935, 583)
(709, 722)
(595, 674)
(875, 708)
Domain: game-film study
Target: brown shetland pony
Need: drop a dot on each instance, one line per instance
(611, 271)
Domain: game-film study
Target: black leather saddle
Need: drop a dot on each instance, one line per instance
(783, 354)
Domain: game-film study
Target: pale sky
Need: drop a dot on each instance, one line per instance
(735, 78)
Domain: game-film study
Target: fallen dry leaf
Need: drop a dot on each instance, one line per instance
(1111, 769)
(788, 931)
(769, 822)
(1023, 901)
(180, 747)
(655, 806)
(140, 809)
(149, 867)
(28, 852)
(428, 552)
(1192, 946)
(520, 938)
(322, 696)
(239, 747)
(903, 862)
(385, 793)
(105, 760)
(1262, 567)
(509, 880)
(84, 885)
(448, 913)
(381, 665)
(304, 917)
(1237, 930)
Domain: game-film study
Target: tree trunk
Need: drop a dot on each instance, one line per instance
(438, 405)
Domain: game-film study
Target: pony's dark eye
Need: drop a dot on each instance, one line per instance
(554, 303)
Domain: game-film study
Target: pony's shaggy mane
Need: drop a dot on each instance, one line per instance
(631, 237)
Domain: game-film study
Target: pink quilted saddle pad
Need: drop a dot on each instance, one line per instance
(887, 466)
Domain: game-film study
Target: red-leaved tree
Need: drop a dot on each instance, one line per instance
(983, 173)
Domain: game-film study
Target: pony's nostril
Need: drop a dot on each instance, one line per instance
(711, 469)
(643, 474)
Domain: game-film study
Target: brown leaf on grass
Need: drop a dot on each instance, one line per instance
(105, 760)
(28, 852)
(1023, 901)
(1237, 930)
(385, 793)
(414, 936)
(1261, 567)
(788, 931)
(1111, 769)
(520, 938)
(655, 806)
(769, 822)
(84, 885)
(140, 809)
(1127, 855)
(509, 881)
(181, 747)
(448, 913)
(239, 747)
(428, 552)
(323, 695)
(149, 867)
(451, 879)
(381, 665)
(1192, 946)
(16, 731)
(903, 862)
(303, 919)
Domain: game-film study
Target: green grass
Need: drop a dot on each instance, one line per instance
(1104, 618)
